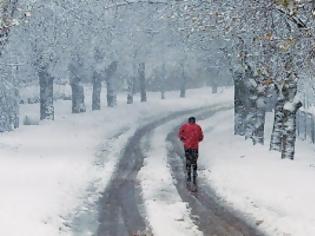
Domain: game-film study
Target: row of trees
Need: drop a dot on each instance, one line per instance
(269, 47)
(97, 41)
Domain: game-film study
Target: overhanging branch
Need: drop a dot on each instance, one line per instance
(299, 23)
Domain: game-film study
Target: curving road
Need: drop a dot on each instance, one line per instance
(120, 209)
(120, 205)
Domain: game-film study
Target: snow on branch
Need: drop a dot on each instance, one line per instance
(292, 18)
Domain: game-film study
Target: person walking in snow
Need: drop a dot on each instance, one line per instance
(191, 134)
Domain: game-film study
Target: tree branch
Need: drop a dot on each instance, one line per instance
(300, 24)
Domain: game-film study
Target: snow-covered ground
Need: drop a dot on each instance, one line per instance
(48, 171)
(278, 195)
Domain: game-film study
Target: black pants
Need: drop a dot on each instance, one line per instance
(191, 162)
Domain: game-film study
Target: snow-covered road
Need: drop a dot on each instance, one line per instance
(120, 206)
(147, 192)
(213, 216)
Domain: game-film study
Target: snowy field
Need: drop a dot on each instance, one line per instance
(278, 195)
(47, 172)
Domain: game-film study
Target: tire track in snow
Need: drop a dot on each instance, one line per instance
(120, 204)
(166, 213)
(212, 217)
(83, 222)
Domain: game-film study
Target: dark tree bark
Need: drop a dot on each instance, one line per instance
(46, 83)
(259, 130)
(275, 142)
(255, 108)
(130, 92)
(289, 129)
(239, 105)
(142, 82)
(111, 93)
(284, 130)
(251, 109)
(78, 104)
(97, 88)
(111, 96)
(290, 109)
(9, 107)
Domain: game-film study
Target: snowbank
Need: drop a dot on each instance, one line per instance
(278, 195)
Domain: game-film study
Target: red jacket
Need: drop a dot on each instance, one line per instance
(190, 135)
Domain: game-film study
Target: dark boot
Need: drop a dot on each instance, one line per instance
(195, 173)
(195, 179)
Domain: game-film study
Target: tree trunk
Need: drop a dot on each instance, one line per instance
(214, 86)
(78, 104)
(162, 94)
(142, 82)
(255, 108)
(9, 107)
(130, 90)
(290, 108)
(162, 86)
(239, 106)
(46, 83)
(259, 132)
(251, 119)
(110, 84)
(284, 129)
(97, 88)
(111, 95)
(275, 142)
(289, 129)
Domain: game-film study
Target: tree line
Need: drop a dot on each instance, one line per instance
(269, 47)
